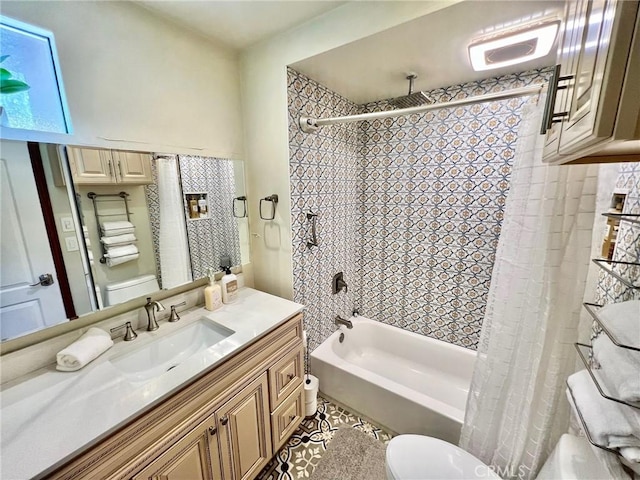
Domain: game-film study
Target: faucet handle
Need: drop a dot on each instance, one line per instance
(129, 335)
(174, 317)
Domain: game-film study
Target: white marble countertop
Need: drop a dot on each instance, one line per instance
(50, 416)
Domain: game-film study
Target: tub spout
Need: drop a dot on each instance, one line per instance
(341, 321)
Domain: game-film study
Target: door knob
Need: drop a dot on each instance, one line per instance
(224, 420)
(213, 430)
(46, 279)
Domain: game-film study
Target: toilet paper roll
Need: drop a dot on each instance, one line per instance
(311, 408)
(311, 388)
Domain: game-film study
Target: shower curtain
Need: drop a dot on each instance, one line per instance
(175, 264)
(516, 409)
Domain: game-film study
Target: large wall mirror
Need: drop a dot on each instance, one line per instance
(84, 229)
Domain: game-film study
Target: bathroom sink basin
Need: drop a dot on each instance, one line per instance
(156, 357)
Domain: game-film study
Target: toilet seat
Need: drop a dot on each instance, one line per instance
(417, 457)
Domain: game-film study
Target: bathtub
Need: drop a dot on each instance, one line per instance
(405, 382)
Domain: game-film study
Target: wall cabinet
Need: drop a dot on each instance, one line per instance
(94, 166)
(595, 110)
(223, 426)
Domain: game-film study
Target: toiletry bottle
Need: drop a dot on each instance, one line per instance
(202, 207)
(212, 293)
(229, 284)
(193, 208)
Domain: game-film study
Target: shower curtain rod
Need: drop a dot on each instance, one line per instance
(311, 125)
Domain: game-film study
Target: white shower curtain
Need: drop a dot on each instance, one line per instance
(175, 265)
(517, 409)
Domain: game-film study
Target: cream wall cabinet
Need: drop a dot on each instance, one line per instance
(596, 110)
(93, 166)
(222, 426)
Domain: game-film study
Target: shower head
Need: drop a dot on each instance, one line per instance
(412, 99)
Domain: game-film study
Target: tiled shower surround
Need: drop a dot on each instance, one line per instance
(627, 248)
(409, 208)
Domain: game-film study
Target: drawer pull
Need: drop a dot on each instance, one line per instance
(224, 420)
(213, 430)
(290, 376)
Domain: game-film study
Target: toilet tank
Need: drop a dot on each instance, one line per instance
(135, 287)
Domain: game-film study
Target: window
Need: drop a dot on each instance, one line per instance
(31, 92)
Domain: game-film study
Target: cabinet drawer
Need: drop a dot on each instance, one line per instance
(285, 376)
(286, 418)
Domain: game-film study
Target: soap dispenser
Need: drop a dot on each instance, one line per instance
(229, 284)
(212, 293)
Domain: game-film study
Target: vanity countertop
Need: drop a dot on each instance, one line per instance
(49, 416)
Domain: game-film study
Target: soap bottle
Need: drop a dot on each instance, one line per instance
(193, 208)
(202, 207)
(229, 284)
(212, 293)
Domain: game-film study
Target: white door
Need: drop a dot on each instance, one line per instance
(24, 250)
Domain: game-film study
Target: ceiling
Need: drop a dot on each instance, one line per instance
(239, 23)
(433, 46)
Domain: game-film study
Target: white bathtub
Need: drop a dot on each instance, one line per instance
(403, 381)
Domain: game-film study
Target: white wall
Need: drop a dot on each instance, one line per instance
(264, 102)
(134, 80)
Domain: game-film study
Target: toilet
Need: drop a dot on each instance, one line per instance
(135, 287)
(417, 457)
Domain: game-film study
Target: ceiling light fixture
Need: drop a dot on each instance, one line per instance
(513, 46)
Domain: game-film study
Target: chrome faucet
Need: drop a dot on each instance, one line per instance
(341, 321)
(152, 308)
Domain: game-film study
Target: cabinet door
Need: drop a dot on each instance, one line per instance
(565, 60)
(603, 32)
(132, 167)
(91, 166)
(245, 431)
(194, 457)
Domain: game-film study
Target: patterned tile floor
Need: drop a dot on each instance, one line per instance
(300, 455)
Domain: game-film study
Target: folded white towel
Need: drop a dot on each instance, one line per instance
(623, 321)
(112, 262)
(119, 225)
(116, 232)
(88, 347)
(119, 239)
(606, 423)
(120, 251)
(620, 369)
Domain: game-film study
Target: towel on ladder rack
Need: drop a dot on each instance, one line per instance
(111, 229)
(125, 239)
(120, 251)
(112, 262)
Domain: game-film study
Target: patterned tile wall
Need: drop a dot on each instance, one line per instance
(324, 180)
(432, 201)
(209, 238)
(610, 290)
(216, 236)
(410, 207)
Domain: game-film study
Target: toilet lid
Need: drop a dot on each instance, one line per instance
(416, 457)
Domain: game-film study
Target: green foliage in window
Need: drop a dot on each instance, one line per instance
(8, 84)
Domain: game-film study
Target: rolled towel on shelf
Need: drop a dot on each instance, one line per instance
(623, 321)
(112, 262)
(120, 251)
(607, 424)
(88, 347)
(119, 239)
(619, 369)
(632, 454)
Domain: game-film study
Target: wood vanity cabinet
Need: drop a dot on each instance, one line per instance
(225, 425)
(595, 116)
(96, 166)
